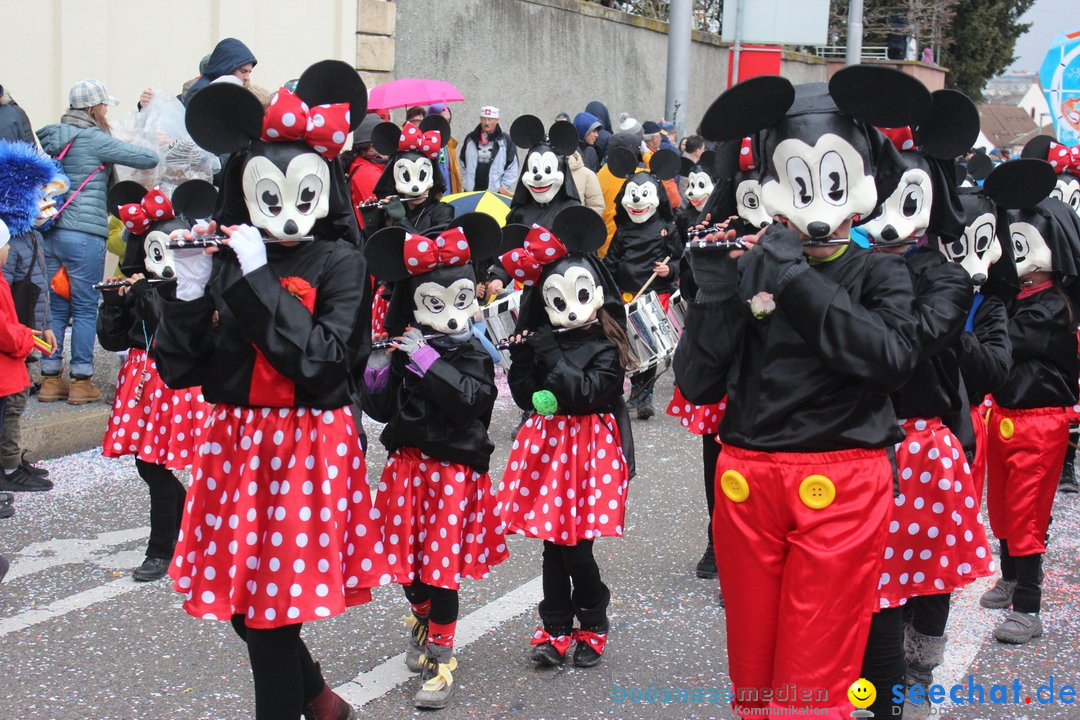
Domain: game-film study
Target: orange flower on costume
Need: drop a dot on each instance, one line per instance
(300, 289)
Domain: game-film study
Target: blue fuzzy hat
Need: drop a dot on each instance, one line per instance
(24, 172)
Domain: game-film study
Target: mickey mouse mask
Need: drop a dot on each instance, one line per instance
(641, 198)
(545, 171)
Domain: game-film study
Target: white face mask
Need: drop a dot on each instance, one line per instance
(1067, 190)
(699, 187)
(445, 310)
(819, 185)
(640, 201)
(542, 176)
(748, 204)
(572, 298)
(1030, 250)
(413, 178)
(286, 205)
(905, 214)
(159, 258)
(977, 249)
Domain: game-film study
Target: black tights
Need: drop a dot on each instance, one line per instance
(286, 677)
(1026, 570)
(571, 580)
(444, 602)
(710, 453)
(928, 614)
(166, 508)
(884, 663)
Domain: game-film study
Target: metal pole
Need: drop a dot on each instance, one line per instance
(678, 63)
(737, 44)
(855, 32)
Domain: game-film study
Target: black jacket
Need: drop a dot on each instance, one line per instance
(1045, 366)
(815, 375)
(445, 413)
(428, 219)
(635, 249)
(212, 341)
(581, 368)
(986, 352)
(128, 321)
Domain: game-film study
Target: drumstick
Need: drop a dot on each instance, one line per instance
(650, 280)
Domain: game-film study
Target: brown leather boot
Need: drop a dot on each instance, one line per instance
(53, 389)
(328, 705)
(83, 391)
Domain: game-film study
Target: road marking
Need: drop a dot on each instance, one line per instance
(383, 678)
(71, 603)
(39, 556)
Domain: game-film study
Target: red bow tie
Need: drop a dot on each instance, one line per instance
(525, 263)
(1063, 158)
(323, 127)
(901, 137)
(153, 207)
(424, 254)
(426, 143)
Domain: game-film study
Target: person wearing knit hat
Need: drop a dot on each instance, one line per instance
(588, 127)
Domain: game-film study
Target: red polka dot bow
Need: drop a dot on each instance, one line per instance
(525, 263)
(323, 127)
(1063, 158)
(426, 143)
(561, 642)
(746, 155)
(901, 137)
(424, 254)
(154, 206)
(594, 640)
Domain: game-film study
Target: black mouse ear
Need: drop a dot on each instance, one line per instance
(527, 131)
(333, 81)
(194, 199)
(707, 161)
(385, 253)
(951, 127)
(960, 173)
(880, 96)
(580, 229)
(1038, 148)
(223, 118)
(563, 137)
(686, 165)
(482, 232)
(513, 236)
(621, 162)
(1020, 183)
(385, 137)
(124, 193)
(746, 107)
(440, 125)
(980, 166)
(664, 164)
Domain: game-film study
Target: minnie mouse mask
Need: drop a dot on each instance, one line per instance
(822, 161)
(545, 171)
(433, 278)
(412, 150)
(1066, 163)
(286, 177)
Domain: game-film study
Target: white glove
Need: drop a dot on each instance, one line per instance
(192, 274)
(247, 243)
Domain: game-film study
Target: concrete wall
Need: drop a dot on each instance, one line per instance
(549, 56)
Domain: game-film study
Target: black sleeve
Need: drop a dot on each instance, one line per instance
(986, 354)
(943, 302)
(674, 248)
(522, 377)
(1034, 327)
(115, 322)
(184, 341)
(382, 405)
(589, 389)
(320, 351)
(711, 337)
(872, 338)
(614, 255)
(464, 389)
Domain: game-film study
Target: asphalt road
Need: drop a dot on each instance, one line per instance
(80, 640)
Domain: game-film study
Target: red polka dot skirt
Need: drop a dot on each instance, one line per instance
(935, 542)
(566, 479)
(698, 419)
(155, 424)
(278, 522)
(378, 313)
(438, 521)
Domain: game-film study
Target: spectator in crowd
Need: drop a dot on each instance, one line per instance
(653, 140)
(488, 159)
(588, 128)
(77, 241)
(600, 111)
(364, 165)
(586, 182)
(230, 57)
(693, 146)
(629, 124)
(415, 114)
(669, 136)
(563, 116)
(448, 156)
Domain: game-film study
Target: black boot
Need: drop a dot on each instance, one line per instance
(551, 643)
(706, 567)
(1068, 483)
(592, 636)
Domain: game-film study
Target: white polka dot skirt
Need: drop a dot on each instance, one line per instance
(379, 306)
(438, 521)
(935, 542)
(278, 524)
(566, 479)
(698, 419)
(155, 424)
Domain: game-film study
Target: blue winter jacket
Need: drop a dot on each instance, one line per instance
(92, 147)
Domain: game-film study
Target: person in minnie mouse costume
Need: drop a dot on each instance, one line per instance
(278, 526)
(1028, 426)
(437, 511)
(806, 334)
(570, 465)
(156, 424)
(646, 243)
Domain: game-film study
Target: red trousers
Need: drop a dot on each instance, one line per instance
(978, 465)
(1025, 453)
(803, 537)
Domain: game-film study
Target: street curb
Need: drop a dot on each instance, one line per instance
(56, 429)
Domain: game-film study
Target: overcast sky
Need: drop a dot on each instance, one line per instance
(1047, 18)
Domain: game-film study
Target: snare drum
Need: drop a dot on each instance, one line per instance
(500, 319)
(676, 312)
(652, 336)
